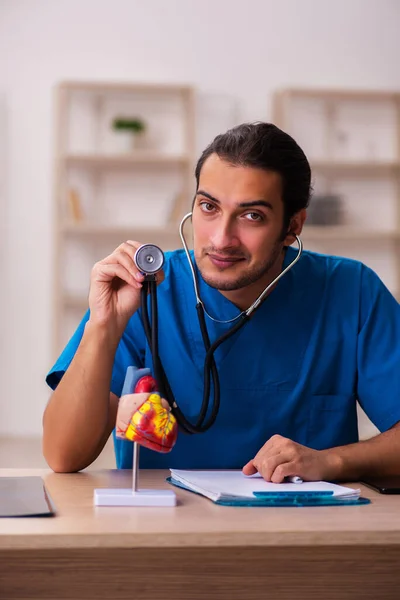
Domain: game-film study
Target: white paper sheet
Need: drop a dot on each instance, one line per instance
(226, 484)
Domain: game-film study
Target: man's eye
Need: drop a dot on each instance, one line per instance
(206, 206)
(253, 216)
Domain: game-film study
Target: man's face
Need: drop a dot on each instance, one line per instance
(237, 224)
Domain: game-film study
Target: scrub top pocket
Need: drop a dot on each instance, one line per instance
(332, 420)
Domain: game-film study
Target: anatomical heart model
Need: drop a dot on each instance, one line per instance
(152, 424)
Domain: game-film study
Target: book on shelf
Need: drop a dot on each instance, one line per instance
(75, 206)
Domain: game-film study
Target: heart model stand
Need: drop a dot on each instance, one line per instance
(135, 496)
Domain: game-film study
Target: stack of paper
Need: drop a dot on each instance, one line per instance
(234, 488)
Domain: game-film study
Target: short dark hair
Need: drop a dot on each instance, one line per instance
(265, 146)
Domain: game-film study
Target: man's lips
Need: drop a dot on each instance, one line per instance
(224, 261)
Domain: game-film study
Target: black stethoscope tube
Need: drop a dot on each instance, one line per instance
(149, 288)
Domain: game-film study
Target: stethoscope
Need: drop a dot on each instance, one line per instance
(150, 259)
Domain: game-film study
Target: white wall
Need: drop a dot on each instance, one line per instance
(242, 49)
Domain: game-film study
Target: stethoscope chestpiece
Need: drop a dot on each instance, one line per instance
(149, 259)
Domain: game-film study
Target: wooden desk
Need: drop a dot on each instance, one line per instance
(197, 550)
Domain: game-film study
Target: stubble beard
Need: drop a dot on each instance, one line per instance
(248, 278)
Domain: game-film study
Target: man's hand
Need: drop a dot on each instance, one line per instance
(115, 286)
(281, 457)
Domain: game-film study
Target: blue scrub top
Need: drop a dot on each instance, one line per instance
(327, 335)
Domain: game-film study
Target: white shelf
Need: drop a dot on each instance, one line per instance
(116, 87)
(341, 232)
(163, 236)
(339, 95)
(125, 160)
(364, 167)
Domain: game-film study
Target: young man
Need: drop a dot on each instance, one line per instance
(326, 335)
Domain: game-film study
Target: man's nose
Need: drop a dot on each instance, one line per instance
(225, 235)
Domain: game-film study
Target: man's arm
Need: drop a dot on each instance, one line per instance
(378, 456)
(81, 413)
(281, 457)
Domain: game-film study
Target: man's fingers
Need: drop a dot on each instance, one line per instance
(126, 260)
(266, 465)
(124, 256)
(249, 469)
(127, 406)
(107, 272)
(133, 243)
(264, 462)
(282, 471)
(272, 470)
(165, 404)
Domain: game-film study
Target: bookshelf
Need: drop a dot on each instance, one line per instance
(352, 140)
(108, 188)
(140, 157)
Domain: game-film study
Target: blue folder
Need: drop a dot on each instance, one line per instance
(297, 499)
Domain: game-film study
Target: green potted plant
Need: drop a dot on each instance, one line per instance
(129, 131)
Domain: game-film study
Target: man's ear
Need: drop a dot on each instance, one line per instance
(295, 227)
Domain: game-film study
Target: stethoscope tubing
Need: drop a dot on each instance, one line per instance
(210, 373)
